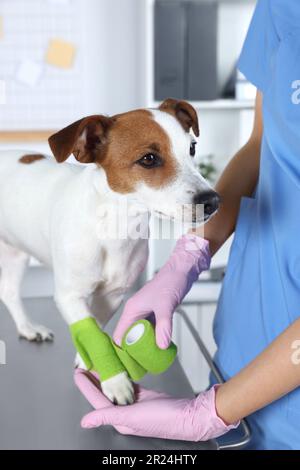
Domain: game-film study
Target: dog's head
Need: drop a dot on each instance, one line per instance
(145, 153)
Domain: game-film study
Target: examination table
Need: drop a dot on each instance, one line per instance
(40, 407)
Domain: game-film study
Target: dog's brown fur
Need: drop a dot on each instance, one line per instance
(27, 159)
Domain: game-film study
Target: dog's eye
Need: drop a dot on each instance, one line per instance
(150, 160)
(193, 148)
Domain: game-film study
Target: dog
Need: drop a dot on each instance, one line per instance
(51, 211)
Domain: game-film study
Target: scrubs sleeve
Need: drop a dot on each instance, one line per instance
(257, 57)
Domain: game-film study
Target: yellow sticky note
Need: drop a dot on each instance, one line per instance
(1, 28)
(60, 53)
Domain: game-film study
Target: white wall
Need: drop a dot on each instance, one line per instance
(112, 49)
(233, 25)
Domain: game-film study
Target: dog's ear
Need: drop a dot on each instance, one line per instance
(85, 138)
(184, 112)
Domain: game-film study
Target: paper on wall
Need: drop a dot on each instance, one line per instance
(60, 53)
(29, 72)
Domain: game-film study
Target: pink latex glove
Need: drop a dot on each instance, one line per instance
(154, 414)
(166, 290)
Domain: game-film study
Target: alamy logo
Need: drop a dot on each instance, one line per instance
(296, 93)
(2, 353)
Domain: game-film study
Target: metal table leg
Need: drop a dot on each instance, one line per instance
(245, 426)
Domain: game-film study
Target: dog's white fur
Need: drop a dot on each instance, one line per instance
(51, 211)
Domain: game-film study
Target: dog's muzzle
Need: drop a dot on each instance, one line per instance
(209, 201)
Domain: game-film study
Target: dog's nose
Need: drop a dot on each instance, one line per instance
(209, 199)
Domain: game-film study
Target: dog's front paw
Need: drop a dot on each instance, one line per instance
(119, 389)
(36, 333)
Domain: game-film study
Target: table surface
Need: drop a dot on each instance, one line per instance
(41, 408)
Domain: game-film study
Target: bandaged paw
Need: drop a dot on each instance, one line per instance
(116, 365)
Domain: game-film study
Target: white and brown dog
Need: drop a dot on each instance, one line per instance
(51, 211)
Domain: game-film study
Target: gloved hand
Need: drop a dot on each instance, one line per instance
(166, 290)
(150, 416)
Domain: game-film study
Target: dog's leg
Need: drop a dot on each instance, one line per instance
(13, 263)
(103, 305)
(74, 307)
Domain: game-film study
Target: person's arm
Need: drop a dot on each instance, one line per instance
(273, 374)
(238, 179)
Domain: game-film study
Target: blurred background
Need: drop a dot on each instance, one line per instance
(63, 59)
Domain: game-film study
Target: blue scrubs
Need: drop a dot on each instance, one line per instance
(261, 290)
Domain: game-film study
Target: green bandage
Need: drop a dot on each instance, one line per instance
(140, 344)
(96, 349)
(135, 370)
(139, 353)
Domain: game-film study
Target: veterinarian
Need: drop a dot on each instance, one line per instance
(257, 325)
